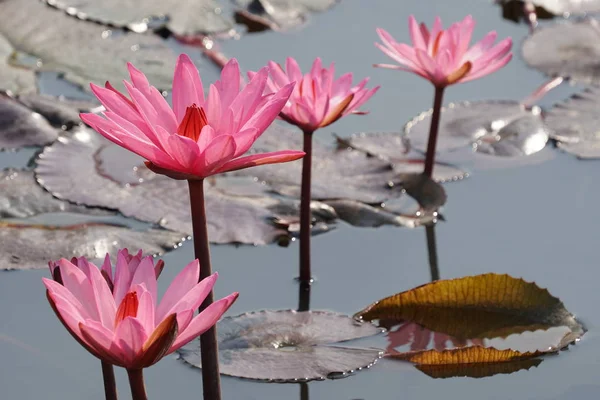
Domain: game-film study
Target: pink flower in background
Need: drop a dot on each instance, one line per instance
(444, 56)
(318, 98)
(121, 323)
(198, 136)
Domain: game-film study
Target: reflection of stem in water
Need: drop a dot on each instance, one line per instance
(432, 252)
(303, 391)
(304, 296)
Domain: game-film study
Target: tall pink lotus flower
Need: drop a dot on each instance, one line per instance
(318, 100)
(198, 136)
(444, 58)
(123, 324)
(195, 138)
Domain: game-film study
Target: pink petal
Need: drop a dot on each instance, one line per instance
(145, 275)
(229, 85)
(146, 312)
(244, 140)
(101, 341)
(203, 321)
(415, 34)
(213, 109)
(266, 115)
(183, 283)
(187, 87)
(194, 297)
(104, 297)
(130, 336)
(76, 282)
(219, 151)
(293, 70)
(249, 98)
(261, 159)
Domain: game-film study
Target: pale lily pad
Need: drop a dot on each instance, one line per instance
(363, 215)
(394, 147)
(87, 169)
(82, 51)
(569, 49)
(279, 14)
(24, 246)
(565, 7)
(574, 124)
(498, 132)
(289, 346)
(21, 127)
(59, 111)
(14, 79)
(22, 197)
(336, 174)
(180, 17)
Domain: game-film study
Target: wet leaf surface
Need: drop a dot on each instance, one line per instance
(180, 17)
(84, 52)
(478, 370)
(20, 127)
(489, 128)
(394, 148)
(336, 174)
(474, 307)
(85, 168)
(574, 124)
(569, 49)
(278, 14)
(363, 215)
(14, 79)
(60, 112)
(22, 197)
(20, 243)
(289, 346)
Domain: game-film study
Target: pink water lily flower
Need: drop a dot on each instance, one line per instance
(318, 98)
(198, 136)
(444, 56)
(120, 320)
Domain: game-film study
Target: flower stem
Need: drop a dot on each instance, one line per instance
(304, 296)
(209, 351)
(432, 252)
(136, 382)
(305, 214)
(304, 391)
(433, 131)
(110, 386)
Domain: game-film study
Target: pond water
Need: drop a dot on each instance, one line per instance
(536, 221)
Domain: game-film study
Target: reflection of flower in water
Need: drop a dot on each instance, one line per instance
(420, 337)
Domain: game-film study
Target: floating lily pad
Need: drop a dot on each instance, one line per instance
(514, 10)
(363, 215)
(561, 7)
(20, 127)
(474, 307)
(25, 246)
(181, 17)
(278, 14)
(87, 169)
(59, 111)
(574, 124)
(394, 147)
(569, 49)
(14, 79)
(289, 346)
(22, 197)
(82, 51)
(336, 174)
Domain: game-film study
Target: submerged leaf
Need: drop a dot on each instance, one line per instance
(569, 49)
(87, 169)
(278, 14)
(289, 346)
(22, 197)
(180, 17)
(341, 174)
(14, 79)
(20, 127)
(25, 246)
(83, 52)
(482, 306)
(574, 123)
(394, 147)
(489, 128)
(60, 112)
(474, 362)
